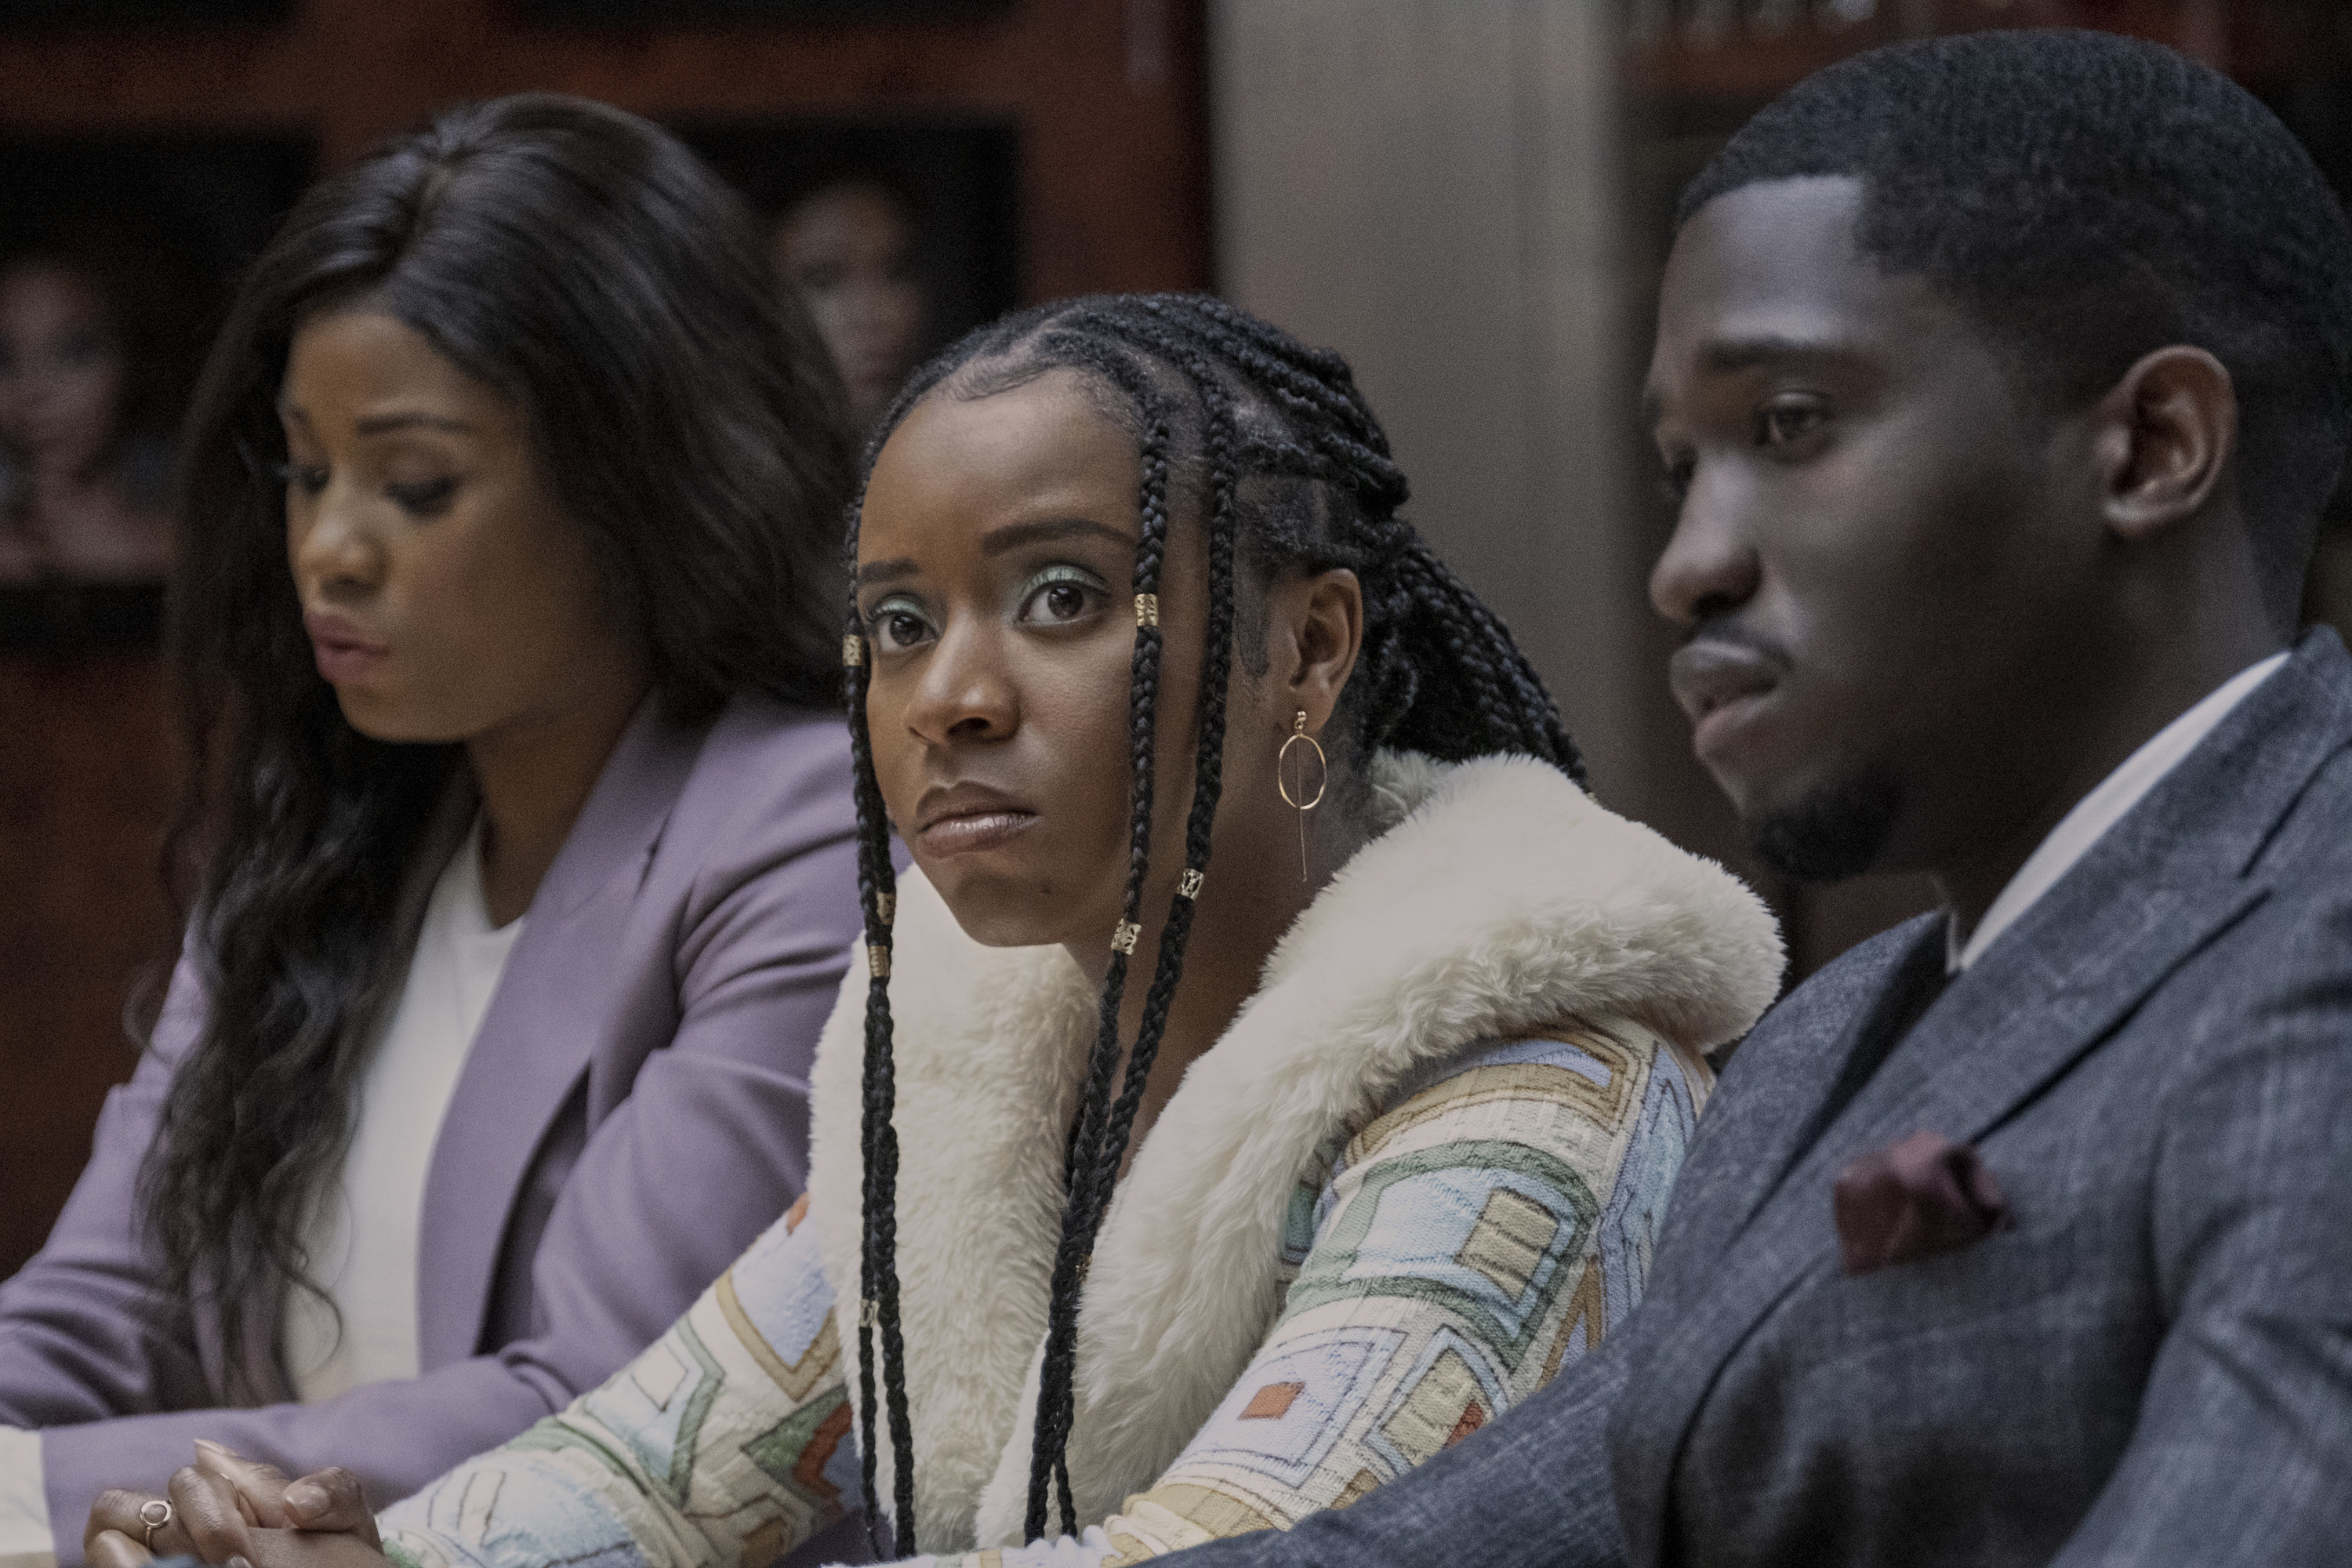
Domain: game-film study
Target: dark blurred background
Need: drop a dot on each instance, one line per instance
(1469, 197)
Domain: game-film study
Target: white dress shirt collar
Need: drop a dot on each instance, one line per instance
(2100, 810)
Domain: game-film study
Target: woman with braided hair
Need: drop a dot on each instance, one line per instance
(1147, 672)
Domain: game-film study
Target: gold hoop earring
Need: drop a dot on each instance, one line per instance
(1322, 777)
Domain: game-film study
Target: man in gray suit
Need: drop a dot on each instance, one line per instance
(2003, 379)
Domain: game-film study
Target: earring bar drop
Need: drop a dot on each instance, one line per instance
(853, 651)
(1322, 777)
(1122, 939)
(1147, 609)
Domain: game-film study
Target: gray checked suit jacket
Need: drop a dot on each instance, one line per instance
(2154, 1366)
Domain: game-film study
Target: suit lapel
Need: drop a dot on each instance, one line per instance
(542, 1029)
(2010, 1027)
(1785, 1084)
(2178, 870)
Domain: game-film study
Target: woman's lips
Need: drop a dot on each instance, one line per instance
(344, 657)
(971, 832)
(344, 665)
(966, 817)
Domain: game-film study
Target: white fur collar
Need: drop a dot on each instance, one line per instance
(1501, 900)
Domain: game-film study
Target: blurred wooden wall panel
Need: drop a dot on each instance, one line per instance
(1429, 187)
(1108, 94)
(87, 778)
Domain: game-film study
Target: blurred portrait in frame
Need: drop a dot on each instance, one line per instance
(897, 236)
(115, 257)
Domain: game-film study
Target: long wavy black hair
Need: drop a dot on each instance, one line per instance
(1292, 473)
(581, 262)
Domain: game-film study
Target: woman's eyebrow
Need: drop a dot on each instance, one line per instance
(997, 540)
(404, 419)
(1013, 536)
(891, 571)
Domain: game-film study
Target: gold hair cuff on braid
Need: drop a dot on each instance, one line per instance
(1123, 940)
(853, 651)
(885, 907)
(878, 958)
(1147, 609)
(869, 1313)
(1188, 885)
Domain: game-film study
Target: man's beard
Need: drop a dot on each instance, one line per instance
(1838, 828)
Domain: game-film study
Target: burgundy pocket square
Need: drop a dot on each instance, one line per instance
(1925, 1195)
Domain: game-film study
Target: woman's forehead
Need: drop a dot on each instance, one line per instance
(1040, 443)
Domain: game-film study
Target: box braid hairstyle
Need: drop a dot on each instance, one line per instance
(1294, 472)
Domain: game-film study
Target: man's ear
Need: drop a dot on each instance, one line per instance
(2166, 434)
(1317, 631)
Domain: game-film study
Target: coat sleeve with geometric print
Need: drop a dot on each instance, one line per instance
(1449, 1259)
(726, 1442)
(1453, 1257)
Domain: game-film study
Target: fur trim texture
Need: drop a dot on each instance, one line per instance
(1498, 901)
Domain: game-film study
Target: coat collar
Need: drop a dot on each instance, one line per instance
(1499, 901)
(1783, 1089)
(528, 1055)
(2177, 871)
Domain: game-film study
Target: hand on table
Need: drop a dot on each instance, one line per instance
(228, 1510)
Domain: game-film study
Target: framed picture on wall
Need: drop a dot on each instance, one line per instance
(115, 260)
(897, 236)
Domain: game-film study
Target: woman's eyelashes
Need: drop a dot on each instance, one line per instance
(1051, 598)
(1060, 595)
(896, 624)
(418, 497)
(423, 498)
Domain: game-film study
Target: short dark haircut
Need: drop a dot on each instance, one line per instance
(2094, 198)
(583, 262)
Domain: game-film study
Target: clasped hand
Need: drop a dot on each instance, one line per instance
(228, 1510)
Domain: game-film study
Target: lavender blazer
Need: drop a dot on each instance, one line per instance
(633, 1114)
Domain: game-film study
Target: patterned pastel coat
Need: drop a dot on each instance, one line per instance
(1418, 1175)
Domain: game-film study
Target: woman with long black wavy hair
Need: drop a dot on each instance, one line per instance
(520, 851)
(1146, 667)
